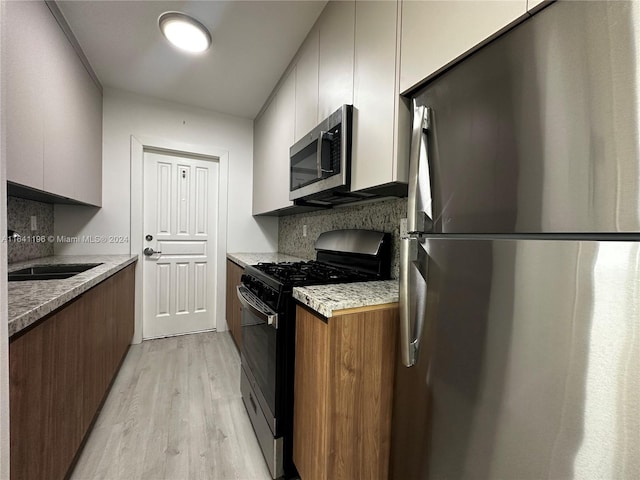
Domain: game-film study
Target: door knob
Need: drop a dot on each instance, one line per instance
(149, 251)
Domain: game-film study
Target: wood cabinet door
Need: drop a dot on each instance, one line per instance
(46, 396)
(124, 311)
(343, 393)
(97, 351)
(335, 57)
(230, 306)
(311, 396)
(59, 373)
(436, 33)
(234, 309)
(27, 391)
(237, 331)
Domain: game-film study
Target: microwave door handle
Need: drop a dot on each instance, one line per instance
(324, 137)
(419, 214)
(412, 256)
(319, 154)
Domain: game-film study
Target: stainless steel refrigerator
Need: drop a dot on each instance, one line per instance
(520, 275)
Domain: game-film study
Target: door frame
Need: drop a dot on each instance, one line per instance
(139, 144)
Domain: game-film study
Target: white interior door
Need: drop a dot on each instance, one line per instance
(180, 218)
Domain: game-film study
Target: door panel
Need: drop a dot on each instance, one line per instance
(180, 215)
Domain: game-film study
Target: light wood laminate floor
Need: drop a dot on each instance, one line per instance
(175, 412)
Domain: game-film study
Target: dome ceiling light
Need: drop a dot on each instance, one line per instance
(184, 32)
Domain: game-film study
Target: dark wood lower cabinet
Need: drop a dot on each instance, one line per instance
(343, 393)
(46, 397)
(60, 371)
(234, 308)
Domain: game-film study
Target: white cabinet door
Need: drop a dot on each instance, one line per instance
(436, 33)
(54, 135)
(306, 94)
(535, 5)
(284, 138)
(335, 57)
(25, 94)
(61, 114)
(273, 135)
(73, 123)
(374, 96)
(89, 149)
(263, 130)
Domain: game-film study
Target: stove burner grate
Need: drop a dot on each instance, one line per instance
(311, 272)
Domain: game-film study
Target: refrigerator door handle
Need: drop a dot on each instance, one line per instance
(411, 256)
(419, 214)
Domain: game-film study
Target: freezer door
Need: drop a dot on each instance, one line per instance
(528, 363)
(538, 131)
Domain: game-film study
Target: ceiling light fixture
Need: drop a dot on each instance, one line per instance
(184, 32)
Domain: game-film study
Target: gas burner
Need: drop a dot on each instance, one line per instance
(311, 272)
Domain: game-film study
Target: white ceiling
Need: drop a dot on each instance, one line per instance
(253, 42)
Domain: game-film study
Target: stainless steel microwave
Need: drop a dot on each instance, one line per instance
(320, 162)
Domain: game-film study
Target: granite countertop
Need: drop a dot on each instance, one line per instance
(29, 301)
(245, 259)
(328, 299)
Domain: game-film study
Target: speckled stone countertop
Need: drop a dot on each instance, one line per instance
(244, 259)
(31, 300)
(327, 299)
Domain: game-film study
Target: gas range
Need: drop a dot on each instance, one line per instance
(312, 273)
(268, 329)
(271, 281)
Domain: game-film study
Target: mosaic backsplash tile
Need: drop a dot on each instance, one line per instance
(382, 216)
(19, 213)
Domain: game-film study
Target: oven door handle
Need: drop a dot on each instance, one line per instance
(255, 306)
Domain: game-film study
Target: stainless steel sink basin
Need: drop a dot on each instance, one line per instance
(50, 272)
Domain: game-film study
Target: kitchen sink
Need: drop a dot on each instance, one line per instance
(50, 272)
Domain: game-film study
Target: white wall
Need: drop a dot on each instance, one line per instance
(127, 114)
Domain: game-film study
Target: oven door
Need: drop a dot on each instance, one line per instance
(259, 352)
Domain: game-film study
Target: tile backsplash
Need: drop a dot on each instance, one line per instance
(19, 213)
(382, 216)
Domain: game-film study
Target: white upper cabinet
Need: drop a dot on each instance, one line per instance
(25, 91)
(273, 135)
(72, 124)
(376, 158)
(335, 59)
(535, 5)
(367, 53)
(284, 138)
(263, 129)
(54, 135)
(436, 33)
(306, 95)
